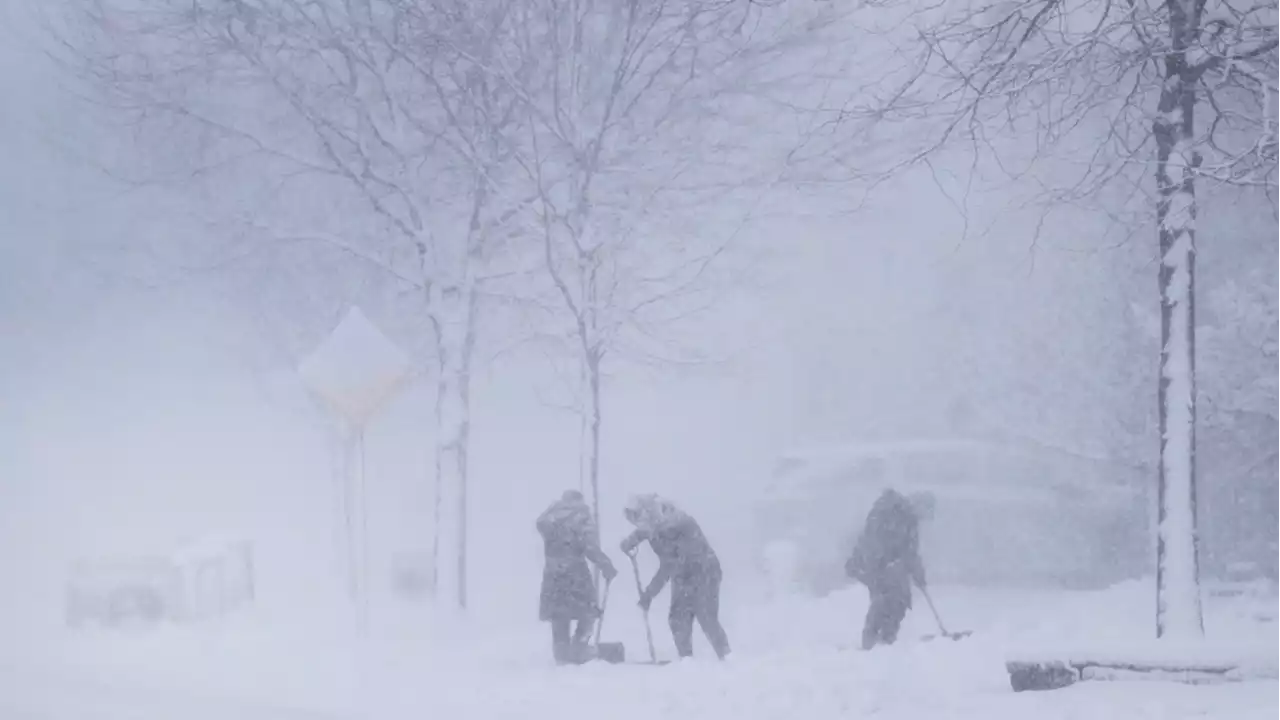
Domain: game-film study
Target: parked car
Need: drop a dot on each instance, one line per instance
(196, 581)
(1004, 514)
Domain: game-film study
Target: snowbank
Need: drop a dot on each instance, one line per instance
(793, 657)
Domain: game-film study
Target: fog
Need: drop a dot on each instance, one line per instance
(158, 394)
(150, 396)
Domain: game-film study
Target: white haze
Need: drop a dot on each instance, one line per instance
(142, 406)
(140, 419)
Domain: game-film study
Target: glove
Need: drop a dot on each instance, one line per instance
(629, 545)
(917, 574)
(852, 569)
(645, 601)
(609, 572)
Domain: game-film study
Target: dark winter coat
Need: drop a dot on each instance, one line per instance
(569, 540)
(887, 556)
(684, 554)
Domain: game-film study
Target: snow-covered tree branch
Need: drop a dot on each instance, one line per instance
(624, 101)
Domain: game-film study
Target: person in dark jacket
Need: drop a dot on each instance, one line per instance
(568, 593)
(687, 560)
(887, 560)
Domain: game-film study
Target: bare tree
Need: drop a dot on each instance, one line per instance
(619, 152)
(1174, 90)
(479, 116)
(347, 124)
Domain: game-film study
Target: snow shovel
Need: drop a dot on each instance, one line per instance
(648, 630)
(611, 652)
(942, 630)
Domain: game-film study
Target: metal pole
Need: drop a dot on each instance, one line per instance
(349, 519)
(363, 505)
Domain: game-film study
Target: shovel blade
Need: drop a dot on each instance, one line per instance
(949, 636)
(611, 652)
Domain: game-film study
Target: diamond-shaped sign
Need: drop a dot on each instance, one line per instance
(356, 369)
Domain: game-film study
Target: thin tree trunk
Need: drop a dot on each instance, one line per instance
(453, 320)
(437, 504)
(584, 436)
(464, 439)
(593, 449)
(1178, 610)
(593, 354)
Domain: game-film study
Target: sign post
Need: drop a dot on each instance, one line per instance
(355, 371)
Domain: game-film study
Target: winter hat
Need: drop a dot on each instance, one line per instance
(634, 510)
(639, 510)
(651, 511)
(571, 507)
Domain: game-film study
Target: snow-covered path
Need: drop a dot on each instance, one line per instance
(942, 681)
(793, 659)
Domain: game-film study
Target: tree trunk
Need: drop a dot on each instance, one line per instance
(453, 319)
(593, 447)
(1178, 611)
(593, 354)
(436, 506)
(464, 439)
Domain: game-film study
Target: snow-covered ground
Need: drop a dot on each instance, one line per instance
(793, 658)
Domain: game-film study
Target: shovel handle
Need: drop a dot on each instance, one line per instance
(604, 603)
(937, 618)
(648, 629)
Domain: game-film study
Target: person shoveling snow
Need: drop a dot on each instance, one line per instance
(887, 560)
(688, 561)
(568, 593)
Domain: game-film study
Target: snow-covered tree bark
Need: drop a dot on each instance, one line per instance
(593, 418)
(1178, 609)
(453, 318)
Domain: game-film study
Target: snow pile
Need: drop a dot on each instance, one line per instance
(793, 657)
(1115, 626)
(823, 684)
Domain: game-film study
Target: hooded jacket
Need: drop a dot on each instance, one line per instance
(682, 549)
(569, 540)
